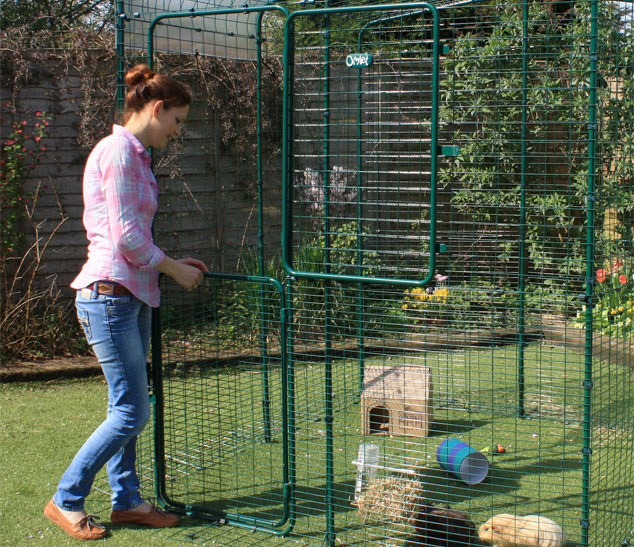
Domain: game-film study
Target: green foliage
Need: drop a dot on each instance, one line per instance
(483, 99)
(56, 15)
(613, 313)
(34, 320)
(249, 311)
(384, 30)
(243, 309)
(20, 152)
(349, 305)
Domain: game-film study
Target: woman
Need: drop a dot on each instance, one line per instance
(116, 288)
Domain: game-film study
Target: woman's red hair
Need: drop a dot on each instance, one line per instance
(146, 86)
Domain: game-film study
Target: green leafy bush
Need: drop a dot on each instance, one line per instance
(613, 312)
(20, 152)
(523, 170)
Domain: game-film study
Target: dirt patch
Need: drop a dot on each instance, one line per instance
(50, 369)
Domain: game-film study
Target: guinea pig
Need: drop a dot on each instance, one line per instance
(443, 527)
(506, 530)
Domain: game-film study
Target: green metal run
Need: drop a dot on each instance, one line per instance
(452, 183)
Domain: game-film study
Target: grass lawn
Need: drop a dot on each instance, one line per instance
(217, 457)
(41, 428)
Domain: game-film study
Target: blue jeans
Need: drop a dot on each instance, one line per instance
(118, 329)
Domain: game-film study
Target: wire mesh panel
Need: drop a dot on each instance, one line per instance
(219, 377)
(226, 35)
(529, 102)
(220, 181)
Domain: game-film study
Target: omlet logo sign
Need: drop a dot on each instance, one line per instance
(358, 60)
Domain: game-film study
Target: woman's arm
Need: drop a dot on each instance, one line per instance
(187, 272)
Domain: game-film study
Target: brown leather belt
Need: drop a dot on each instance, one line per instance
(109, 288)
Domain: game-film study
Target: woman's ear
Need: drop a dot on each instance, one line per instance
(157, 107)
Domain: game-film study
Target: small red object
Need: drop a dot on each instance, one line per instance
(500, 449)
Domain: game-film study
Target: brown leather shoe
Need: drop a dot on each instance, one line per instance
(156, 518)
(86, 528)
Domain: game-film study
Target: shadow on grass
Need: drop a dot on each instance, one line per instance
(455, 427)
(439, 486)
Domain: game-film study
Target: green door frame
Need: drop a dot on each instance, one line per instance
(408, 10)
(288, 451)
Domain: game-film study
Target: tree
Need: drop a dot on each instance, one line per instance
(56, 15)
(523, 117)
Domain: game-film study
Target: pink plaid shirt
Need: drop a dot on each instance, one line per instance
(120, 199)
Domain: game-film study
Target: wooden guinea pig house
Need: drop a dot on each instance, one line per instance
(397, 400)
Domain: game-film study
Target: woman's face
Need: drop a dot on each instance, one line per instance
(166, 123)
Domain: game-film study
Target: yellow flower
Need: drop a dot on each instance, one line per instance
(441, 294)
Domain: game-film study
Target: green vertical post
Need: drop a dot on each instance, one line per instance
(288, 406)
(289, 348)
(328, 416)
(360, 298)
(120, 52)
(157, 365)
(522, 235)
(589, 292)
(266, 396)
(158, 406)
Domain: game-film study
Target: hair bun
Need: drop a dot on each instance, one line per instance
(138, 74)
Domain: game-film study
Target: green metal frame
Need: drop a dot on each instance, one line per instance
(408, 9)
(590, 246)
(288, 430)
(120, 49)
(288, 438)
(254, 523)
(206, 13)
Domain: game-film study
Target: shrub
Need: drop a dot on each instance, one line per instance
(34, 319)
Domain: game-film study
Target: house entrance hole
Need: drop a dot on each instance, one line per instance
(379, 419)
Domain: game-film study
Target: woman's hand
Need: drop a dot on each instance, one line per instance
(198, 268)
(187, 272)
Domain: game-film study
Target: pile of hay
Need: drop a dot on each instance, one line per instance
(396, 499)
